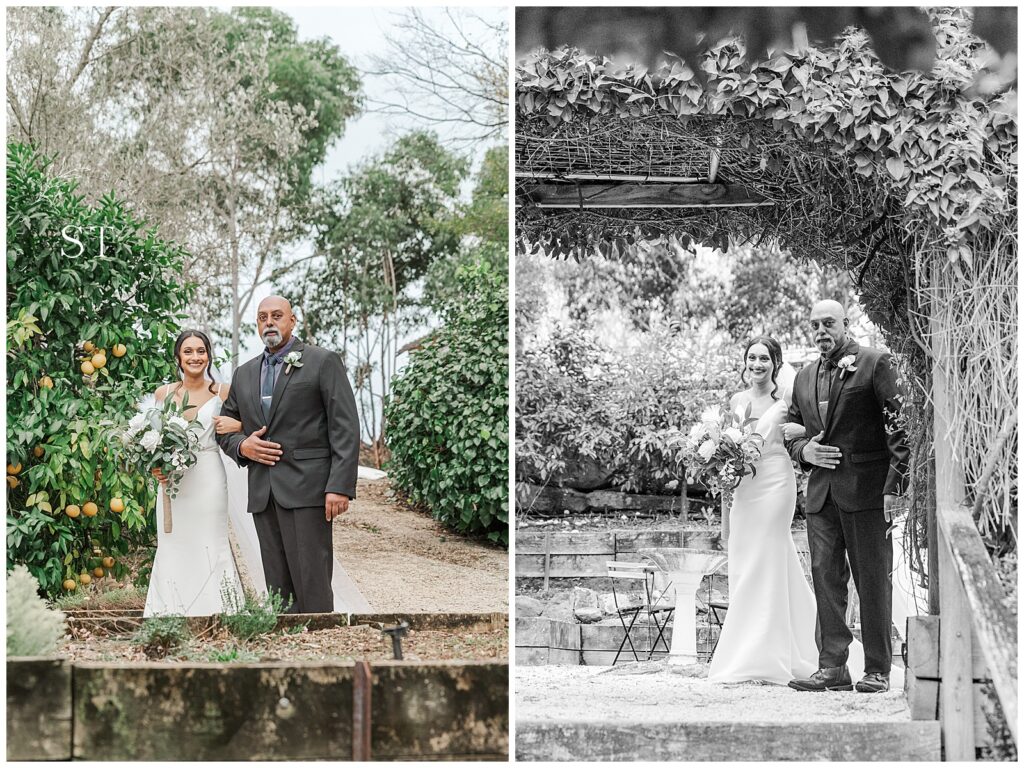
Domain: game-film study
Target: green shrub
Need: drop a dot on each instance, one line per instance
(248, 615)
(59, 299)
(447, 418)
(587, 410)
(33, 629)
(159, 635)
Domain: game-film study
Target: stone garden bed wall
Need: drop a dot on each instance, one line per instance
(282, 710)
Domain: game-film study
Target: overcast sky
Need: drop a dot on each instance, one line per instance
(359, 34)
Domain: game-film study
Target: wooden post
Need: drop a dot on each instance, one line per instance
(362, 685)
(547, 559)
(955, 661)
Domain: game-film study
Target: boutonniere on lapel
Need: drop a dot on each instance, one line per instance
(292, 360)
(846, 365)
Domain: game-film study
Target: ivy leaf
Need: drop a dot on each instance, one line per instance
(896, 167)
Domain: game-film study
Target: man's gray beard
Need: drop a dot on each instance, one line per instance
(272, 339)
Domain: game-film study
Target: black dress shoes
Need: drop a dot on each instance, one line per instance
(826, 679)
(874, 682)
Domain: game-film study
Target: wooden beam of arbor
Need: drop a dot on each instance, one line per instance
(609, 177)
(641, 196)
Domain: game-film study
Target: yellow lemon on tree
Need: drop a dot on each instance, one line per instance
(13, 482)
(14, 469)
(38, 451)
(87, 368)
(108, 562)
(98, 572)
(120, 350)
(99, 360)
(72, 510)
(85, 578)
(89, 346)
(46, 383)
(70, 585)
(116, 505)
(89, 509)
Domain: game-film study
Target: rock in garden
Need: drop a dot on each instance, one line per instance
(528, 607)
(559, 607)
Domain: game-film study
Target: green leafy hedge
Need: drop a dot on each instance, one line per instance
(447, 418)
(121, 290)
(948, 154)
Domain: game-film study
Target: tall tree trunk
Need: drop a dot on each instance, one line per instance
(236, 314)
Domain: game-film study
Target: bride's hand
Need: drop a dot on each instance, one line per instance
(225, 425)
(160, 476)
(791, 431)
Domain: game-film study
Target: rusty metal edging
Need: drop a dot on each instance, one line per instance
(362, 687)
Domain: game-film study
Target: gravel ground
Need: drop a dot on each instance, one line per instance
(656, 693)
(404, 560)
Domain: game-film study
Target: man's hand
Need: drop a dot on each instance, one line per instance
(824, 456)
(792, 430)
(225, 425)
(336, 504)
(894, 505)
(262, 451)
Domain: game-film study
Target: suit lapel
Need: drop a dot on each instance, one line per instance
(813, 396)
(837, 385)
(257, 366)
(282, 381)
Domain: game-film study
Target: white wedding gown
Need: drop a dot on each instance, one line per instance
(193, 562)
(768, 634)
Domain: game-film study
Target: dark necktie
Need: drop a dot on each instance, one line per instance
(825, 373)
(267, 388)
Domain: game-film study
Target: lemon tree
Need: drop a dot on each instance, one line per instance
(93, 302)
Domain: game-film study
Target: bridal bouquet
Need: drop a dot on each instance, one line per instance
(721, 449)
(161, 438)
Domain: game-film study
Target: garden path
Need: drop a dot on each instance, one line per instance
(402, 559)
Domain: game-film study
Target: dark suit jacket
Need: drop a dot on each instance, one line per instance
(860, 422)
(313, 417)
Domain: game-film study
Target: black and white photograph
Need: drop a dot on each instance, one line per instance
(257, 383)
(766, 379)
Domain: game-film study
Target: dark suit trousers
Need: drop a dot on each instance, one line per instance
(833, 536)
(298, 558)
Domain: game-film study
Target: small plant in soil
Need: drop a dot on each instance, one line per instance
(159, 635)
(233, 653)
(249, 614)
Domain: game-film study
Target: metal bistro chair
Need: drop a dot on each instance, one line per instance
(716, 615)
(657, 615)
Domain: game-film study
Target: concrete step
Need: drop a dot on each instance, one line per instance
(724, 741)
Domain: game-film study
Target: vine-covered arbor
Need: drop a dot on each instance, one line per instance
(907, 181)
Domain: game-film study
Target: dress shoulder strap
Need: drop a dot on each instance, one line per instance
(220, 388)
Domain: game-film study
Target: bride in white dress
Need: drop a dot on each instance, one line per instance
(769, 629)
(194, 563)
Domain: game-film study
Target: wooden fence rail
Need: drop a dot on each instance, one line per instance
(971, 607)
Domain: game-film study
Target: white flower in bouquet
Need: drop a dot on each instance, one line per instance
(178, 422)
(707, 450)
(733, 434)
(150, 440)
(135, 423)
(712, 415)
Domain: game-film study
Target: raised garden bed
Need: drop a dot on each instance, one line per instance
(315, 705)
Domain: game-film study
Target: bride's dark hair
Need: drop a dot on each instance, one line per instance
(774, 352)
(188, 333)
